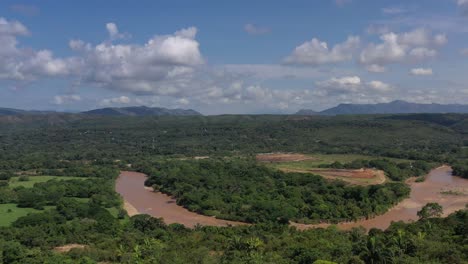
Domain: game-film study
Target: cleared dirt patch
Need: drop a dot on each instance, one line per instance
(360, 177)
(361, 173)
(195, 158)
(282, 157)
(201, 157)
(68, 247)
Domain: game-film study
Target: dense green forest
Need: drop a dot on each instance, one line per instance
(461, 169)
(143, 239)
(57, 175)
(37, 139)
(244, 191)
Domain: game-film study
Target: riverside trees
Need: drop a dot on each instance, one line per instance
(241, 190)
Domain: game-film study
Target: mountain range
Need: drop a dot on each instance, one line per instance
(12, 111)
(111, 111)
(395, 107)
(141, 111)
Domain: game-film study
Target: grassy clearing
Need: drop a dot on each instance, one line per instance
(358, 177)
(319, 159)
(7, 217)
(9, 213)
(15, 182)
(312, 166)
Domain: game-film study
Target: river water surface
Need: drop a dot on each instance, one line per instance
(437, 181)
(144, 201)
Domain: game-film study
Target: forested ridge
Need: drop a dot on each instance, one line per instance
(57, 176)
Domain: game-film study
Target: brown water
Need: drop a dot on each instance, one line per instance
(131, 186)
(144, 201)
(437, 181)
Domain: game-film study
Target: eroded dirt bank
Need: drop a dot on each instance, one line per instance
(439, 181)
(139, 199)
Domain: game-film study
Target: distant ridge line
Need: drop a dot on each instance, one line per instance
(394, 107)
(111, 111)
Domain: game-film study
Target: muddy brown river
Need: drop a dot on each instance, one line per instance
(142, 200)
(139, 199)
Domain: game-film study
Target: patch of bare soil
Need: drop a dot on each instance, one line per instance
(361, 173)
(195, 158)
(359, 177)
(282, 157)
(201, 157)
(68, 247)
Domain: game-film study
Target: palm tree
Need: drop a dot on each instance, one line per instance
(375, 252)
(254, 243)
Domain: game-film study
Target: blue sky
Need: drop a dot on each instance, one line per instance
(231, 56)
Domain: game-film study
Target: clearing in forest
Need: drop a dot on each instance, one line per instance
(305, 163)
(359, 177)
(282, 157)
(16, 182)
(68, 247)
(10, 212)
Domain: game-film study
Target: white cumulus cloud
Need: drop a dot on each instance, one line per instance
(23, 64)
(115, 101)
(161, 66)
(317, 52)
(253, 29)
(463, 5)
(64, 99)
(376, 68)
(421, 71)
(183, 101)
(412, 46)
(114, 33)
(350, 85)
(112, 29)
(379, 86)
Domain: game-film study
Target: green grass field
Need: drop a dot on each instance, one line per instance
(7, 217)
(319, 159)
(14, 182)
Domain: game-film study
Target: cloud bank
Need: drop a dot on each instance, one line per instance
(171, 69)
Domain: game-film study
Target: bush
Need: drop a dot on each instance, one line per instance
(23, 178)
